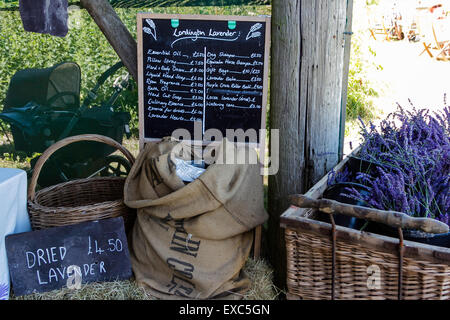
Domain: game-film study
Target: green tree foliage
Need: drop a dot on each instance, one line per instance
(84, 44)
(360, 87)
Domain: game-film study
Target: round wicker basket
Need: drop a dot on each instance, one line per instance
(78, 200)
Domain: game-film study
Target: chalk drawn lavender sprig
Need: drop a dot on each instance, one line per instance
(254, 33)
(150, 30)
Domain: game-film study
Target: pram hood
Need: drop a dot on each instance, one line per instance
(40, 85)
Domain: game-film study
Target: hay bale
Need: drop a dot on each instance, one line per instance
(117, 290)
(261, 276)
(258, 271)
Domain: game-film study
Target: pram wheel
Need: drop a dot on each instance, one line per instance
(115, 166)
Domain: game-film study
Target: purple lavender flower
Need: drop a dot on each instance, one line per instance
(4, 291)
(338, 177)
(413, 150)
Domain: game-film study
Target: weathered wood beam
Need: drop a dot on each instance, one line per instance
(115, 32)
(393, 219)
(306, 91)
(285, 116)
(347, 51)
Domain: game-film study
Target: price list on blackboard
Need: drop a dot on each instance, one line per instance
(202, 70)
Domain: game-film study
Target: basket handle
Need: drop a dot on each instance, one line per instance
(62, 143)
(390, 218)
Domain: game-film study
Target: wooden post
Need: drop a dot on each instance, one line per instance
(347, 51)
(115, 31)
(306, 90)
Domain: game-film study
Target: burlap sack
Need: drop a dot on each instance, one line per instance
(192, 241)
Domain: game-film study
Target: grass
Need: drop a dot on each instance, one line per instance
(117, 290)
(361, 90)
(261, 276)
(258, 271)
(10, 158)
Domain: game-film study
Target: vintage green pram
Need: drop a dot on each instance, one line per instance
(43, 106)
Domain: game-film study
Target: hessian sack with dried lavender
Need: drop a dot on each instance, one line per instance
(192, 240)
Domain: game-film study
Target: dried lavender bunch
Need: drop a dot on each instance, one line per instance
(337, 177)
(413, 148)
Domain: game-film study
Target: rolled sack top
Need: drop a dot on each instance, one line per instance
(154, 186)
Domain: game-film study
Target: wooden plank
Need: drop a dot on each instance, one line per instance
(257, 232)
(436, 42)
(347, 51)
(115, 32)
(262, 145)
(427, 49)
(443, 52)
(140, 81)
(316, 191)
(322, 76)
(285, 115)
(306, 92)
(388, 38)
(372, 33)
(263, 142)
(390, 218)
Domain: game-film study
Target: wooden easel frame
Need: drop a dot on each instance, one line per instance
(427, 49)
(262, 134)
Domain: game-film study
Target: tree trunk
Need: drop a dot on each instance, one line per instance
(306, 89)
(115, 31)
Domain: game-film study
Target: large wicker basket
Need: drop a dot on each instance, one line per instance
(358, 265)
(78, 200)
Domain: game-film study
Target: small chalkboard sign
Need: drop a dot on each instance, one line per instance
(201, 71)
(54, 258)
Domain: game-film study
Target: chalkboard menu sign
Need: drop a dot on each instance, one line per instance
(207, 70)
(54, 258)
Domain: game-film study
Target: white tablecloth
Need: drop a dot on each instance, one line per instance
(13, 217)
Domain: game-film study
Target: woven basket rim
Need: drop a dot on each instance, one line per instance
(299, 218)
(90, 206)
(33, 203)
